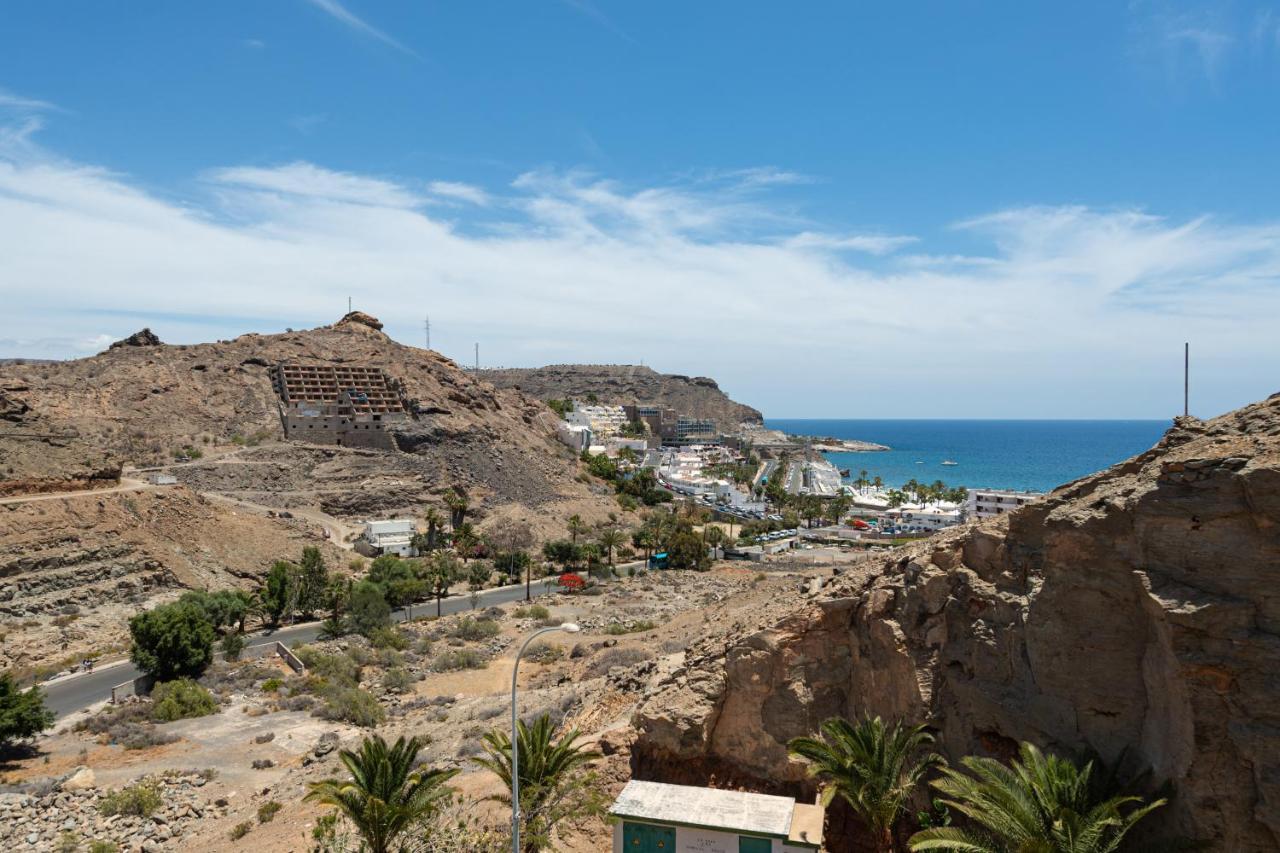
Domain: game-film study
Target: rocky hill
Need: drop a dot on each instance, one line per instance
(1132, 613)
(141, 402)
(697, 396)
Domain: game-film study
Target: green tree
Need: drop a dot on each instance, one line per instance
(553, 784)
(713, 536)
(686, 550)
(172, 641)
(576, 527)
(384, 795)
(440, 573)
(277, 590)
(874, 768)
(312, 579)
(433, 520)
(1039, 803)
(611, 539)
(466, 540)
(369, 608)
(457, 503)
(478, 575)
(22, 712)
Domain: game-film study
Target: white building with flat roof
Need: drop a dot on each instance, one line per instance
(914, 518)
(604, 421)
(656, 817)
(988, 503)
(391, 536)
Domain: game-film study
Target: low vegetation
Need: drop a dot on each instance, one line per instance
(181, 699)
(142, 799)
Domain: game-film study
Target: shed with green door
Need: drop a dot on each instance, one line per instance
(655, 817)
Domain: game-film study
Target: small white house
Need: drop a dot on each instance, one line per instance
(654, 817)
(392, 536)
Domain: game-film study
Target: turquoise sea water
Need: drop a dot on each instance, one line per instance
(1027, 455)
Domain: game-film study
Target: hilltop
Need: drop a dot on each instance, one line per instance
(1131, 614)
(696, 396)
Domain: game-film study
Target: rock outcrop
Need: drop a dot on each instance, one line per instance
(144, 338)
(696, 396)
(1131, 613)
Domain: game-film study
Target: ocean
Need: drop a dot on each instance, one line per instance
(1023, 455)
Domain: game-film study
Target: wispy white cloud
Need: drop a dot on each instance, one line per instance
(340, 13)
(1053, 309)
(254, 44)
(307, 124)
(459, 192)
(590, 10)
(872, 244)
(12, 101)
(307, 180)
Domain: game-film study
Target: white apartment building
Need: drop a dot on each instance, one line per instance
(914, 518)
(988, 503)
(577, 436)
(604, 421)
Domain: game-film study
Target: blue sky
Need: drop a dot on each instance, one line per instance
(908, 209)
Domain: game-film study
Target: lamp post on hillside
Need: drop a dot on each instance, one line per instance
(568, 627)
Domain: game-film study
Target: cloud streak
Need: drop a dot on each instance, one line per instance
(344, 16)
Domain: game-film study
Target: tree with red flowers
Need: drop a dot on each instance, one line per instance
(571, 582)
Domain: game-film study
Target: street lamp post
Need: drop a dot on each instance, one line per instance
(568, 627)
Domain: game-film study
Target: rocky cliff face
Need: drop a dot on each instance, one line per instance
(1136, 609)
(619, 384)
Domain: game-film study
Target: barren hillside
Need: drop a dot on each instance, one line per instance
(1134, 609)
(141, 401)
(697, 396)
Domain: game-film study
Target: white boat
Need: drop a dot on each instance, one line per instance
(949, 462)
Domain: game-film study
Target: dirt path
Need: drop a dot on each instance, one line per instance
(126, 485)
(338, 531)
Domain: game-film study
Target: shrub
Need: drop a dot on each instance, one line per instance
(544, 653)
(388, 638)
(369, 608)
(476, 629)
(617, 628)
(271, 685)
(134, 736)
(337, 668)
(536, 611)
(103, 847)
(172, 641)
(232, 645)
(422, 646)
(240, 830)
(141, 799)
(356, 706)
(453, 659)
(267, 811)
(618, 656)
(397, 679)
(178, 700)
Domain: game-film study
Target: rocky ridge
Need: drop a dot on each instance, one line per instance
(1130, 614)
(697, 396)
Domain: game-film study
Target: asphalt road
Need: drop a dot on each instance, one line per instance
(72, 693)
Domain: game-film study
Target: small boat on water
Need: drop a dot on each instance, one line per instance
(949, 462)
(844, 472)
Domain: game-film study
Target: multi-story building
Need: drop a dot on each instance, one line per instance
(604, 421)
(987, 503)
(913, 518)
(392, 536)
(695, 431)
(339, 404)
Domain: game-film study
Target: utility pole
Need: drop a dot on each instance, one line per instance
(427, 325)
(348, 304)
(1186, 379)
(477, 357)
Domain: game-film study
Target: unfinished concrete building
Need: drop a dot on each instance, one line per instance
(340, 404)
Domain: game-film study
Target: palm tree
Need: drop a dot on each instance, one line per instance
(576, 527)
(609, 539)
(713, 536)
(433, 520)
(874, 768)
(385, 795)
(547, 770)
(457, 504)
(1039, 803)
(643, 538)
